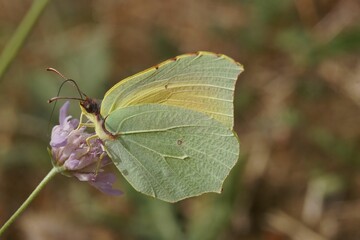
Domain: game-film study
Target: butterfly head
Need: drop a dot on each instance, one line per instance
(90, 105)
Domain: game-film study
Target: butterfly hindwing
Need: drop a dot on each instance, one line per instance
(169, 152)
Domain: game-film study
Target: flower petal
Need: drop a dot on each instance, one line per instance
(72, 164)
(63, 112)
(104, 182)
(58, 138)
(85, 177)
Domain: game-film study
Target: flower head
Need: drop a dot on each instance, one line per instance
(80, 159)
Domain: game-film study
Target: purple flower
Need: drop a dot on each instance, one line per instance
(70, 151)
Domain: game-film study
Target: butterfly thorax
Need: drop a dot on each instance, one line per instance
(91, 109)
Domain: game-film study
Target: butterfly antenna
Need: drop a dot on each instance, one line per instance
(82, 95)
(54, 99)
(57, 72)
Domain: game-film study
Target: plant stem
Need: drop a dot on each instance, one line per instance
(41, 185)
(17, 40)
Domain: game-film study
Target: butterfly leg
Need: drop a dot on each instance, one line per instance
(102, 155)
(90, 138)
(84, 124)
(80, 121)
(98, 165)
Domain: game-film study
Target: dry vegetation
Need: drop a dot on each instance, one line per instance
(297, 116)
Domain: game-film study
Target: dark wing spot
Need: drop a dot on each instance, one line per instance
(179, 142)
(125, 172)
(166, 86)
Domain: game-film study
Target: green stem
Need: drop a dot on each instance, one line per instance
(41, 185)
(17, 40)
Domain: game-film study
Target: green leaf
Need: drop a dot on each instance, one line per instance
(169, 152)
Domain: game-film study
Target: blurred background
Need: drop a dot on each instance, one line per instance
(297, 109)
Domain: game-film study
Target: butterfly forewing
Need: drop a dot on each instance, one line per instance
(203, 82)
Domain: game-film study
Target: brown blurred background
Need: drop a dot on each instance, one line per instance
(297, 108)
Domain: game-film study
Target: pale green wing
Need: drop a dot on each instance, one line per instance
(202, 82)
(171, 153)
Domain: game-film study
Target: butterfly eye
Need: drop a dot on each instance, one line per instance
(91, 106)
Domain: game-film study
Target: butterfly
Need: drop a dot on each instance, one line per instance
(169, 129)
